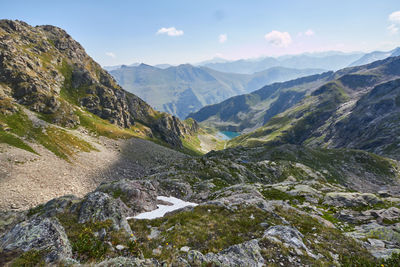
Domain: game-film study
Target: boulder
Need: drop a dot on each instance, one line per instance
(99, 206)
(45, 235)
(344, 199)
(125, 261)
(289, 236)
(245, 254)
(139, 195)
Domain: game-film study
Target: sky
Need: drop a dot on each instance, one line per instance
(187, 31)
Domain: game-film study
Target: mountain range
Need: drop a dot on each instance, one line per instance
(357, 109)
(314, 181)
(185, 88)
(327, 61)
(374, 56)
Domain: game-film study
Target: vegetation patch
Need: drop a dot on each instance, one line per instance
(87, 243)
(323, 240)
(57, 140)
(191, 145)
(30, 258)
(275, 194)
(72, 95)
(14, 141)
(205, 228)
(36, 210)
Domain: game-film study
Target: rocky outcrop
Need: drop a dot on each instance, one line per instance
(245, 254)
(342, 199)
(46, 235)
(373, 123)
(291, 237)
(99, 206)
(172, 129)
(138, 195)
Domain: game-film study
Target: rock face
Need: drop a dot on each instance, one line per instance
(341, 199)
(245, 254)
(290, 236)
(373, 124)
(99, 206)
(139, 196)
(45, 69)
(40, 234)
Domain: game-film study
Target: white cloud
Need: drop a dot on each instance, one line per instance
(222, 38)
(171, 31)
(110, 54)
(277, 38)
(394, 18)
(393, 29)
(309, 32)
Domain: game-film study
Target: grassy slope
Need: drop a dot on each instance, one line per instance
(297, 124)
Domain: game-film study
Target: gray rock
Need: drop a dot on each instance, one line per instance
(139, 195)
(245, 254)
(124, 261)
(154, 233)
(40, 234)
(286, 234)
(342, 199)
(355, 217)
(58, 205)
(120, 247)
(185, 249)
(390, 214)
(99, 206)
(234, 196)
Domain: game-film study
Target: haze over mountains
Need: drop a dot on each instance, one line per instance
(374, 56)
(184, 89)
(326, 60)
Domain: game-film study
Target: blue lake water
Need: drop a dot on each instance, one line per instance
(226, 135)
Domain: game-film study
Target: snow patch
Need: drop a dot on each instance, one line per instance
(163, 209)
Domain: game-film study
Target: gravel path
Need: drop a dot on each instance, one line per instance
(27, 179)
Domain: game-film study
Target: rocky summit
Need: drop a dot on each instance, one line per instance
(45, 70)
(315, 181)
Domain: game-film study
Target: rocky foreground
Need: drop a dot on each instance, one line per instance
(263, 206)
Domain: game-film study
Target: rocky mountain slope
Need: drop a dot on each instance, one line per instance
(184, 89)
(276, 206)
(359, 109)
(324, 60)
(43, 69)
(247, 112)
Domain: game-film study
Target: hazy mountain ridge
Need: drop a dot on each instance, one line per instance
(374, 56)
(184, 89)
(249, 111)
(327, 61)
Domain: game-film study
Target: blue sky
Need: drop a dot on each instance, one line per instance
(123, 32)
